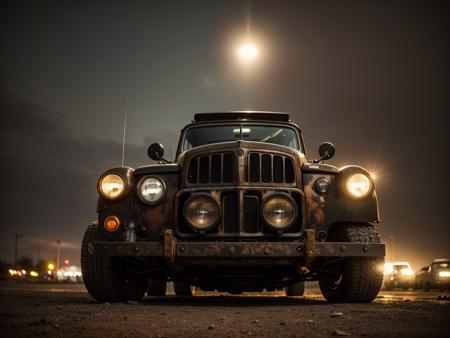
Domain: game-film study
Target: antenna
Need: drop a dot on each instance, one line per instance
(124, 129)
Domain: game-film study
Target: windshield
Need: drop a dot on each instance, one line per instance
(199, 136)
(443, 265)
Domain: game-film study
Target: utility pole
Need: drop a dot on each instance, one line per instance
(16, 248)
(58, 254)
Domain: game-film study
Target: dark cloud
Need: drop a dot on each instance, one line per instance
(49, 176)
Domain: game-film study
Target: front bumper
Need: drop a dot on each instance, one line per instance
(171, 249)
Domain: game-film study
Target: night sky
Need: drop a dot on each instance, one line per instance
(371, 77)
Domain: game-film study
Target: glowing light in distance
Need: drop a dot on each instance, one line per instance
(388, 268)
(407, 272)
(248, 51)
(444, 274)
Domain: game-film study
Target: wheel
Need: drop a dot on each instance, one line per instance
(156, 287)
(426, 286)
(297, 289)
(354, 279)
(105, 277)
(183, 289)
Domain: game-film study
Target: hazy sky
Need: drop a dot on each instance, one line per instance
(372, 77)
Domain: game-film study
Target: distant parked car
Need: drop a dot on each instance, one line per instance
(434, 276)
(69, 274)
(398, 275)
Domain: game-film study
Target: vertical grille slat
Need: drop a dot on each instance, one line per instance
(254, 168)
(267, 168)
(192, 172)
(204, 169)
(289, 170)
(216, 168)
(251, 214)
(228, 168)
(278, 169)
(230, 214)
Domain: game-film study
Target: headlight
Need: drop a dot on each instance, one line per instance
(444, 274)
(358, 185)
(201, 212)
(388, 268)
(322, 185)
(406, 272)
(279, 211)
(112, 186)
(151, 190)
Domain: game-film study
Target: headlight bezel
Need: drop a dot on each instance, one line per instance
(283, 196)
(213, 224)
(346, 173)
(163, 185)
(369, 190)
(125, 187)
(318, 181)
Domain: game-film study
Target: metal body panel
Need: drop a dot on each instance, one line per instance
(239, 249)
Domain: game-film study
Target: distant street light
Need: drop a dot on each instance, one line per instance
(248, 51)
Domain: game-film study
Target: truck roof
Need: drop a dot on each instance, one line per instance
(244, 115)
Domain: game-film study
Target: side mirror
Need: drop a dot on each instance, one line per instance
(156, 151)
(326, 151)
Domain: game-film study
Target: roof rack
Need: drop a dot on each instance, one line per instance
(242, 116)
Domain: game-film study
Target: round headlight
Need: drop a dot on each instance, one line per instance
(151, 190)
(322, 185)
(201, 212)
(279, 212)
(112, 186)
(358, 185)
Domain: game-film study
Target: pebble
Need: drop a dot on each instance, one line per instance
(337, 314)
(211, 327)
(338, 332)
(282, 323)
(132, 302)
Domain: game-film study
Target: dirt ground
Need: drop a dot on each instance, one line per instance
(67, 310)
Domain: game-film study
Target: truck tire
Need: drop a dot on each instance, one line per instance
(104, 276)
(156, 287)
(297, 289)
(183, 289)
(355, 279)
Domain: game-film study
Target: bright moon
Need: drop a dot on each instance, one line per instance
(248, 51)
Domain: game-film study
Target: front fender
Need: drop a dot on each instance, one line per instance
(336, 206)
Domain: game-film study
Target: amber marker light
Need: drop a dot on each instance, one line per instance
(111, 223)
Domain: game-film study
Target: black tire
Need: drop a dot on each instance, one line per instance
(426, 286)
(183, 289)
(104, 276)
(356, 279)
(156, 287)
(297, 289)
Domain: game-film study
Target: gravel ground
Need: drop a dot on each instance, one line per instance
(67, 310)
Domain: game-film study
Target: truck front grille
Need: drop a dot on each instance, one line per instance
(269, 168)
